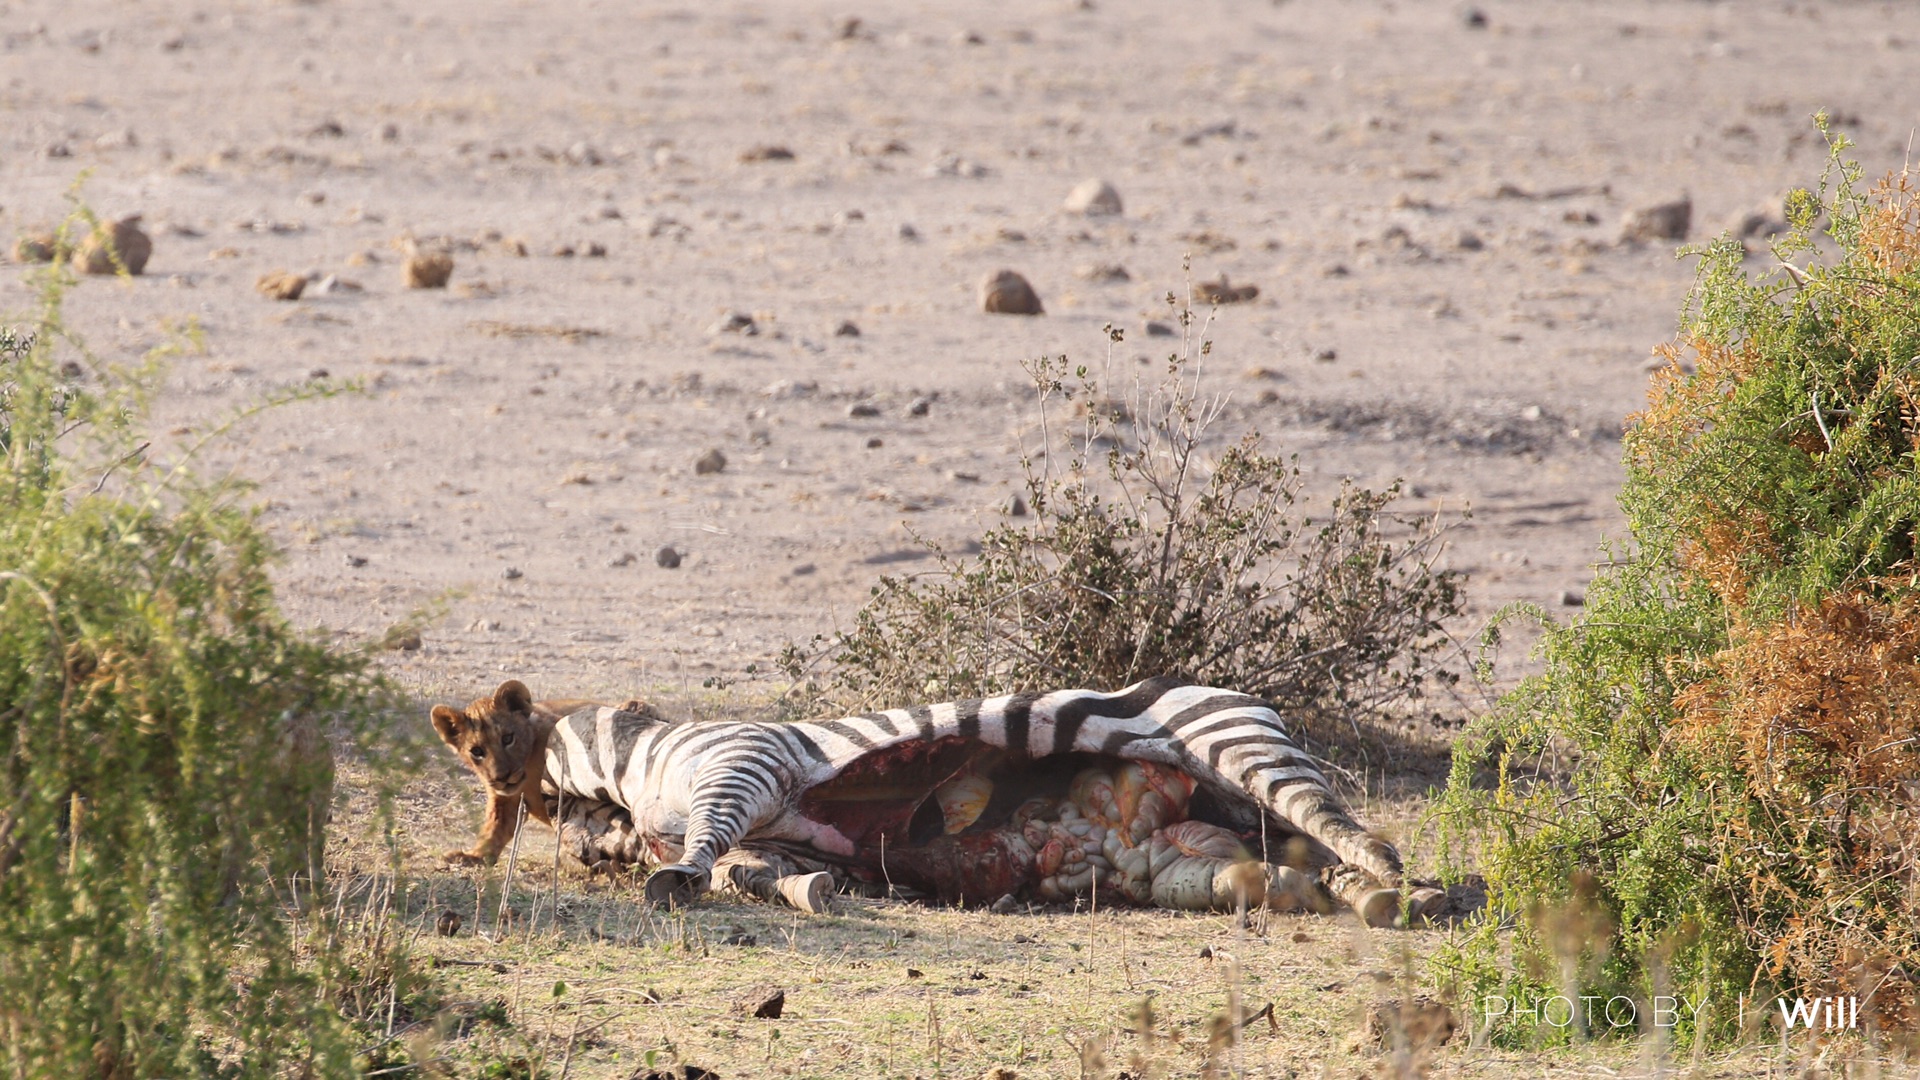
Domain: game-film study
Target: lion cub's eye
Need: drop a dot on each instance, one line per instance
(479, 752)
(506, 738)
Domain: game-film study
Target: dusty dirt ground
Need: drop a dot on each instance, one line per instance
(1428, 196)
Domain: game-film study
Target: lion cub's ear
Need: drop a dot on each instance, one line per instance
(514, 697)
(447, 723)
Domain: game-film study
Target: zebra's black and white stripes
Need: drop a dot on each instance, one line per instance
(695, 789)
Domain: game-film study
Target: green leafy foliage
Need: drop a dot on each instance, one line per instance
(1156, 548)
(1739, 704)
(165, 771)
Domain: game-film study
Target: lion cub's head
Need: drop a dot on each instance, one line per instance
(495, 736)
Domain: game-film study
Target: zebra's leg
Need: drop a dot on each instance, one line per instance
(772, 877)
(724, 800)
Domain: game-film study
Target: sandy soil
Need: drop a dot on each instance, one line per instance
(1429, 208)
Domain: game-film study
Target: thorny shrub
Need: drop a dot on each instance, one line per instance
(1155, 548)
(1741, 697)
(164, 765)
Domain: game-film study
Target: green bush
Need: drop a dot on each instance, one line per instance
(1739, 703)
(1156, 548)
(164, 765)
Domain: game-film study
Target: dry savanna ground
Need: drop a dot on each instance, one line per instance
(679, 228)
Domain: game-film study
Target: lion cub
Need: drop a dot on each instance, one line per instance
(503, 739)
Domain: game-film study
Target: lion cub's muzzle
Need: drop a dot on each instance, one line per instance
(506, 785)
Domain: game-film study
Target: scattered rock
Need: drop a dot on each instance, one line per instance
(512, 573)
(907, 232)
(681, 1071)
(1102, 273)
(915, 973)
(280, 285)
(876, 443)
(847, 28)
(1224, 292)
(1758, 225)
(1469, 241)
(1665, 221)
(735, 322)
(765, 153)
(37, 248)
(109, 246)
(1006, 905)
(1573, 598)
(1000, 1072)
(667, 558)
(326, 129)
(562, 251)
(919, 406)
(1004, 292)
(846, 329)
(428, 271)
(515, 247)
(625, 558)
(404, 641)
(1092, 198)
(1422, 1023)
(745, 941)
(1473, 19)
(861, 409)
(711, 462)
(1160, 329)
(1326, 356)
(803, 569)
(596, 250)
(763, 1002)
(356, 561)
(449, 923)
(1016, 507)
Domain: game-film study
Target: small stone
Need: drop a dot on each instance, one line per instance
(428, 271)
(846, 329)
(1103, 273)
(515, 247)
(449, 923)
(38, 248)
(667, 558)
(907, 232)
(1006, 905)
(746, 941)
(280, 285)
(735, 322)
(860, 409)
(919, 406)
(57, 150)
(1326, 356)
(764, 1002)
(596, 251)
(803, 569)
(1000, 1072)
(1664, 221)
(1004, 292)
(625, 558)
(318, 373)
(1573, 598)
(512, 573)
(388, 132)
(1160, 329)
(847, 28)
(562, 251)
(110, 246)
(1092, 198)
(356, 561)
(876, 443)
(1016, 507)
(1469, 241)
(765, 153)
(406, 641)
(1473, 19)
(1225, 292)
(711, 462)
(916, 973)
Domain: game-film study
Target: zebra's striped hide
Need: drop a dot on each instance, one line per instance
(833, 790)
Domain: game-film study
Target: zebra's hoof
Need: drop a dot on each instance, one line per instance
(1424, 904)
(1379, 908)
(675, 886)
(811, 893)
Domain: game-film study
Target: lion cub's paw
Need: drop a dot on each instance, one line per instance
(463, 858)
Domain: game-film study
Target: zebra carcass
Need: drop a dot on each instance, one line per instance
(1162, 794)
